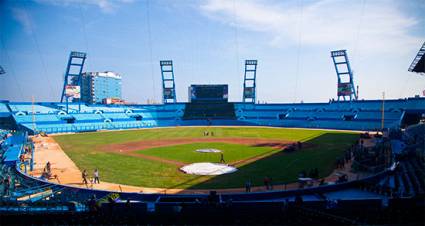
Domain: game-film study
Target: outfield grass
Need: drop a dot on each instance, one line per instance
(285, 167)
(85, 151)
(123, 136)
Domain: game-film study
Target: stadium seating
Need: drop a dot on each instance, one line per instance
(88, 117)
(3, 108)
(356, 115)
(29, 108)
(74, 107)
(345, 115)
(38, 118)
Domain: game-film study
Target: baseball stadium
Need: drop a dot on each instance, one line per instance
(88, 159)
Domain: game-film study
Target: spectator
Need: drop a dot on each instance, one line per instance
(298, 201)
(270, 183)
(6, 182)
(92, 204)
(267, 183)
(248, 186)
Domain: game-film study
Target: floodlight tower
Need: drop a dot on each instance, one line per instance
(344, 73)
(168, 84)
(73, 76)
(418, 64)
(249, 83)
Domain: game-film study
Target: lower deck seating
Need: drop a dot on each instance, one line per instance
(3, 108)
(408, 180)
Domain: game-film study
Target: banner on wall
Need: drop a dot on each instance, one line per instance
(344, 89)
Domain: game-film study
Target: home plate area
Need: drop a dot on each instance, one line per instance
(208, 168)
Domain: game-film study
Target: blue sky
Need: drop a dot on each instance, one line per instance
(208, 42)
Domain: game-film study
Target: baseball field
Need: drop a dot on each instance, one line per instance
(153, 157)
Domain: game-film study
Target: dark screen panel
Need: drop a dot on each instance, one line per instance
(202, 93)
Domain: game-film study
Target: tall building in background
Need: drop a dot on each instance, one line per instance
(98, 86)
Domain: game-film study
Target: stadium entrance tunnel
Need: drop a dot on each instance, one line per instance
(8, 123)
(412, 118)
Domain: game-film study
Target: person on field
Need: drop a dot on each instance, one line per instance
(96, 176)
(48, 167)
(222, 158)
(270, 183)
(84, 176)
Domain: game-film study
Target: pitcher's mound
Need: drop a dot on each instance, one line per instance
(208, 168)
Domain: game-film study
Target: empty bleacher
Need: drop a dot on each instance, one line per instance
(38, 118)
(74, 108)
(3, 108)
(37, 108)
(96, 117)
(356, 115)
(345, 115)
(408, 180)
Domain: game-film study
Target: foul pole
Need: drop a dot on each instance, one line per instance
(383, 111)
(33, 114)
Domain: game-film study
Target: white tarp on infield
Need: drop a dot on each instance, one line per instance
(208, 168)
(208, 150)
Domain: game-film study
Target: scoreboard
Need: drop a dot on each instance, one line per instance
(344, 89)
(208, 93)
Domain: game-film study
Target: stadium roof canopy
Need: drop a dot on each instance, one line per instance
(418, 64)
